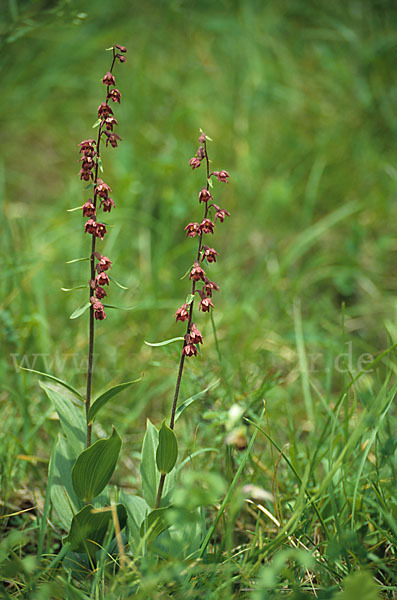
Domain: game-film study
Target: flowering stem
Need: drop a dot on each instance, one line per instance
(188, 328)
(92, 269)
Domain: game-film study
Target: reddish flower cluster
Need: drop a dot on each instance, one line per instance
(205, 253)
(91, 161)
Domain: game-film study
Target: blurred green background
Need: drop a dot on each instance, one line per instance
(300, 99)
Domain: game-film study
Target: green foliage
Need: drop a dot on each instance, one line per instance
(358, 585)
(94, 467)
(167, 449)
(104, 398)
(89, 528)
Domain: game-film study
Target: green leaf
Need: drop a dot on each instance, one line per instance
(186, 274)
(117, 283)
(119, 307)
(97, 123)
(165, 343)
(137, 510)
(75, 260)
(100, 164)
(53, 378)
(74, 209)
(358, 585)
(89, 528)
(190, 400)
(79, 311)
(77, 287)
(72, 421)
(149, 473)
(167, 450)
(189, 299)
(63, 496)
(94, 467)
(155, 523)
(106, 396)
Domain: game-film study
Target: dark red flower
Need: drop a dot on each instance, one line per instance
(100, 230)
(209, 287)
(104, 264)
(200, 153)
(109, 79)
(205, 304)
(210, 254)
(202, 138)
(104, 110)
(101, 279)
(182, 313)
(189, 350)
(102, 189)
(109, 122)
(121, 48)
(121, 58)
(106, 204)
(197, 272)
(194, 162)
(195, 335)
(115, 95)
(99, 311)
(192, 229)
(87, 145)
(100, 292)
(205, 195)
(221, 213)
(90, 226)
(86, 174)
(222, 176)
(207, 226)
(88, 209)
(112, 138)
(87, 162)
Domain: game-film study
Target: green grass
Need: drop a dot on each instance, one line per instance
(300, 99)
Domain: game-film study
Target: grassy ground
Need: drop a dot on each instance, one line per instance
(300, 100)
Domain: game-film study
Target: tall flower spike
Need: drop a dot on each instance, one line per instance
(91, 161)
